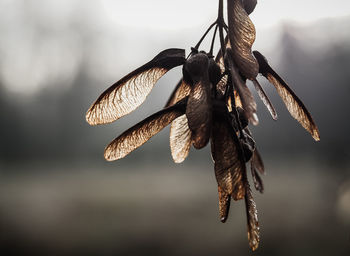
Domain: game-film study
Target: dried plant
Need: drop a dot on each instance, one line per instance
(210, 102)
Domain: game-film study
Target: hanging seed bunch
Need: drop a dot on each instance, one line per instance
(211, 102)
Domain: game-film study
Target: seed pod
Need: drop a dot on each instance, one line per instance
(214, 72)
(249, 5)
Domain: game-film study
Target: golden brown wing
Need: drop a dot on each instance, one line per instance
(247, 99)
(265, 99)
(224, 204)
(228, 162)
(221, 87)
(181, 90)
(219, 58)
(242, 36)
(258, 183)
(252, 219)
(199, 105)
(258, 162)
(143, 131)
(131, 91)
(294, 105)
(222, 84)
(199, 114)
(180, 139)
(180, 134)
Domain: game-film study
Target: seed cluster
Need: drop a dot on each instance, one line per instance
(211, 102)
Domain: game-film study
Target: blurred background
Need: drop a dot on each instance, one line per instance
(59, 197)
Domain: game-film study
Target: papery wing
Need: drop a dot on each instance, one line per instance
(142, 132)
(221, 86)
(242, 36)
(238, 100)
(258, 183)
(181, 90)
(252, 219)
(248, 144)
(180, 139)
(180, 134)
(228, 163)
(219, 59)
(294, 105)
(199, 105)
(238, 193)
(265, 99)
(131, 91)
(258, 162)
(224, 204)
(199, 113)
(247, 99)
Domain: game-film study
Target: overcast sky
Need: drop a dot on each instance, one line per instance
(43, 41)
(186, 13)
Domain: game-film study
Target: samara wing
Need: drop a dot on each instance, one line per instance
(265, 99)
(224, 204)
(242, 36)
(222, 84)
(180, 139)
(257, 165)
(258, 162)
(294, 105)
(252, 219)
(199, 106)
(229, 164)
(248, 144)
(180, 133)
(181, 90)
(143, 131)
(248, 102)
(258, 183)
(131, 91)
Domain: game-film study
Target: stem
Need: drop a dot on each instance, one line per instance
(213, 41)
(205, 34)
(221, 24)
(221, 9)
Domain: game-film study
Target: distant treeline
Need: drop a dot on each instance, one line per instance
(51, 125)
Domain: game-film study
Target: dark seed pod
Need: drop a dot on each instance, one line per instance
(196, 66)
(249, 5)
(214, 72)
